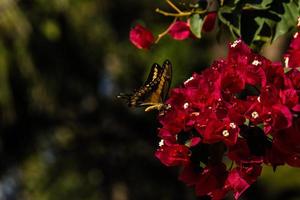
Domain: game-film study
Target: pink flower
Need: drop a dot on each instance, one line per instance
(141, 37)
(180, 30)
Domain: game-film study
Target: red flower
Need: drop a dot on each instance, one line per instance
(238, 105)
(240, 154)
(237, 183)
(172, 155)
(292, 57)
(141, 37)
(232, 81)
(281, 117)
(217, 131)
(286, 142)
(212, 178)
(275, 75)
(190, 174)
(269, 95)
(289, 97)
(209, 22)
(294, 76)
(180, 30)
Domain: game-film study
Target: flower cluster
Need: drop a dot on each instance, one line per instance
(225, 122)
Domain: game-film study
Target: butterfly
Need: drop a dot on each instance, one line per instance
(155, 89)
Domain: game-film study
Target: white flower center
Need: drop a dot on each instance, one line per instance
(161, 143)
(186, 105)
(232, 125)
(225, 133)
(256, 62)
(254, 115)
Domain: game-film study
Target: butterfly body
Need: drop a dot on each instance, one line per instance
(155, 89)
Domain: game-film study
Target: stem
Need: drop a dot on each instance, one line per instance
(173, 6)
(168, 14)
(182, 14)
(221, 2)
(165, 32)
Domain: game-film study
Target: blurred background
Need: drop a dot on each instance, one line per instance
(63, 134)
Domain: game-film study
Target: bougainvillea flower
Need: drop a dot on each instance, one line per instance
(179, 30)
(292, 57)
(141, 37)
(236, 182)
(190, 174)
(209, 22)
(286, 142)
(245, 108)
(281, 117)
(212, 178)
(172, 155)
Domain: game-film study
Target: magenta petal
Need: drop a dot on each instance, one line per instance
(296, 108)
(237, 183)
(282, 117)
(141, 37)
(179, 30)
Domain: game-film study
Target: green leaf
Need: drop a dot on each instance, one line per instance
(261, 33)
(196, 23)
(265, 4)
(261, 126)
(286, 69)
(228, 16)
(288, 18)
(247, 122)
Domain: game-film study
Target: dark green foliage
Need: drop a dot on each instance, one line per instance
(259, 21)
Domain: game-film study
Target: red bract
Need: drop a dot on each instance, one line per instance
(209, 22)
(212, 178)
(190, 174)
(237, 183)
(217, 131)
(286, 142)
(172, 155)
(292, 57)
(180, 30)
(245, 108)
(141, 37)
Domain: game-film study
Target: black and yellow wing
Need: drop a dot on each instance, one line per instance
(155, 89)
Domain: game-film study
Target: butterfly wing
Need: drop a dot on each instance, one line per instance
(161, 83)
(154, 90)
(154, 73)
(167, 66)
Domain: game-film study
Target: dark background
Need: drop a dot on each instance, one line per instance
(63, 134)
